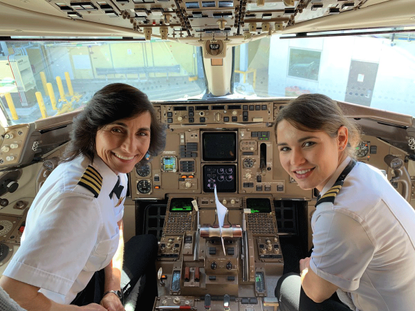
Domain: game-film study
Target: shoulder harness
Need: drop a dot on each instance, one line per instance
(91, 180)
(331, 194)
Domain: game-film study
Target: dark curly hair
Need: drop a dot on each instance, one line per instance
(113, 102)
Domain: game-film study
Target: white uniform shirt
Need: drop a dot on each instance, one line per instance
(364, 243)
(70, 232)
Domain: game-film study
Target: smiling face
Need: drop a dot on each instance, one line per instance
(123, 143)
(310, 158)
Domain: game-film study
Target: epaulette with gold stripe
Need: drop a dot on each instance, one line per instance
(91, 180)
(331, 194)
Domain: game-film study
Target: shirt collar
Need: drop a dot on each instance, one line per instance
(335, 175)
(104, 170)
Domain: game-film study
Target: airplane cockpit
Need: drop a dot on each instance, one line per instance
(218, 73)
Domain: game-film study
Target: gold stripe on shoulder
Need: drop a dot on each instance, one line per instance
(91, 180)
(92, 170)
(332, 192)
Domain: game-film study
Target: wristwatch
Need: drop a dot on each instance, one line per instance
(116, 292)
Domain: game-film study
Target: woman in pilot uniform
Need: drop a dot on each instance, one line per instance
(363, 229)
(72, 249)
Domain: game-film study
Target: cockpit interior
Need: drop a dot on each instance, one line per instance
(217, 72)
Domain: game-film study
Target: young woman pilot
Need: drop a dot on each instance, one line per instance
(363, 229)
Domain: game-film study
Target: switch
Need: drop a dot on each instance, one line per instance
(208, 301)
(226, 302)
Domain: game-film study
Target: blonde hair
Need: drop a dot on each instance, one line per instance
(318, 112)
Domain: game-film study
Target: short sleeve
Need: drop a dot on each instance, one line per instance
(58, 244)
(342, 249)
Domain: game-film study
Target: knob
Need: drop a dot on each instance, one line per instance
(188, 184)
(8, 136)
(232, 201)
(213, 265)
(179, 119)
(224, 201)
(229, 266)
(14, 146)
(5, 149)
(9, 158)
(176, 300)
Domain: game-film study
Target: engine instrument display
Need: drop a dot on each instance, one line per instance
(219, 146)
(223, 176)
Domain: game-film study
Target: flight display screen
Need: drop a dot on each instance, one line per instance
(258, 205)
(168, 164)
(219, 146)
(223, 176)
(181, 205)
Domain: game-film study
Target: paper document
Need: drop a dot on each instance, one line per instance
(221, 211)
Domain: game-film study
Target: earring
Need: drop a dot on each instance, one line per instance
(147, 156)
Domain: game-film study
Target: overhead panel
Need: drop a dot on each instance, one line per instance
(202, 19)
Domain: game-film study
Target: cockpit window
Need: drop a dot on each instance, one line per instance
(376, 70)
(40, 79)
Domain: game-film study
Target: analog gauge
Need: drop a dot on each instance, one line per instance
(362, 149)
(144, 186)
(143, 170)
(248, 163)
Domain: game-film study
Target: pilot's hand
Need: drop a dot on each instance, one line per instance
(111, 302)
(304, 264)
(92, 307)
